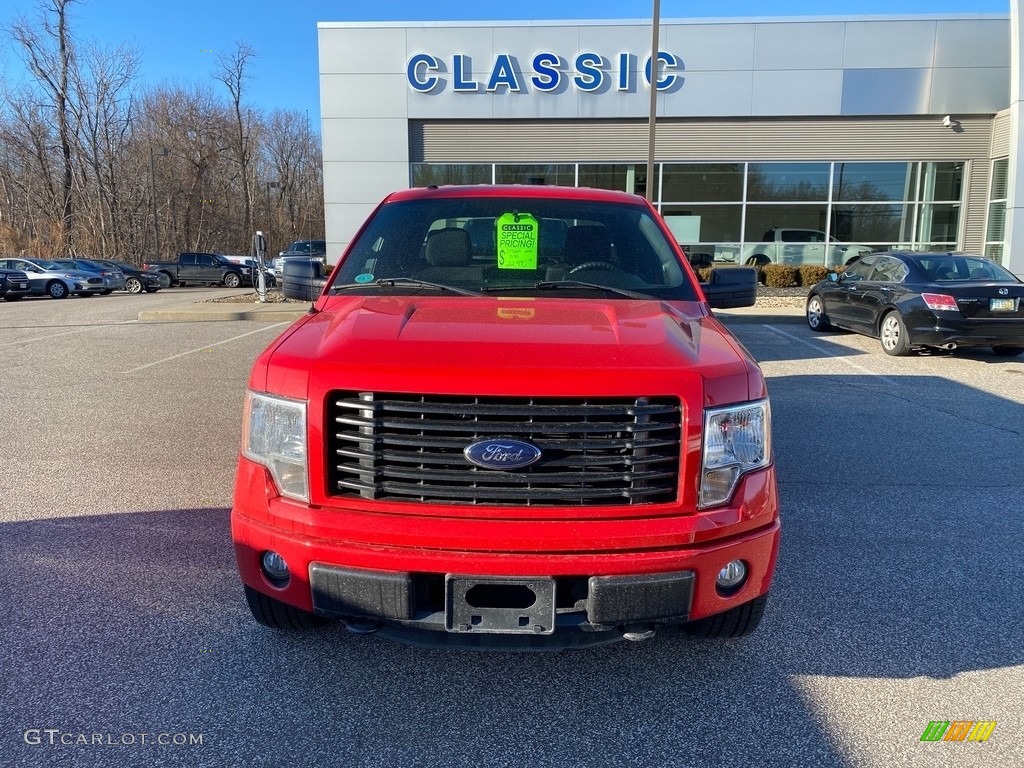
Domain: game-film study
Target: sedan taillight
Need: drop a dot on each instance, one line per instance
(937, 301)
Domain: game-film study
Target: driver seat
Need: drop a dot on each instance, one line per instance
(587, 242)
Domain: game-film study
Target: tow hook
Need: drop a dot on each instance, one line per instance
(637, 634)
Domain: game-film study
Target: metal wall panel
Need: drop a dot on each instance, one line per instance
(972, 43)
(889, 44)
(797, 92)
(369, 139)
(366, 51)
(711, 47)
(548, 141)
(803, 45)
(886, 91)
(359, 96)
(967, 90)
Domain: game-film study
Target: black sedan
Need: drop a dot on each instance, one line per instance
(136, 279)
(909, 300)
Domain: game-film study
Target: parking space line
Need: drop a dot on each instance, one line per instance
(207, 346)
(825, 353)
(66, 333)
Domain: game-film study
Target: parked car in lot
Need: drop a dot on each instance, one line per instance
(909, 300)
(209, 268)
(13, 284)
(300, 249)
(521, 445)
(48, 278)
(136, 279)
(248, 261)
(113, 279)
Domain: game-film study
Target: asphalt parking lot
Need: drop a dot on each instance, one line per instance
(897, 599)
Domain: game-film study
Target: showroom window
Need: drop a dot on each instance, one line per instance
(786, 212)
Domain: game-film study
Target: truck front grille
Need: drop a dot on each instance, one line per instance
(595, 451)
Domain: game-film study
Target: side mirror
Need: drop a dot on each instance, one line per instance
(833, 277)
(303, 279)
(731, 287)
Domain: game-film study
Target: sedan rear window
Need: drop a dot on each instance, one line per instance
(958, 268)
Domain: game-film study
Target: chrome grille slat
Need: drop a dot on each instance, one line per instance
(596, 451)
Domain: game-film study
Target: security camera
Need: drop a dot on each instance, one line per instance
(947, 121)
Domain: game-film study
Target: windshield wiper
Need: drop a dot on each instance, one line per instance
(391, 282)
(554, 285)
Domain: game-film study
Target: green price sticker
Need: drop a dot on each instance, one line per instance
(517, 241)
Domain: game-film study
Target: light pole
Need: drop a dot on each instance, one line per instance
(163, 152)
(654, 99)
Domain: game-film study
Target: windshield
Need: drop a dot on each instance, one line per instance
(515, 245)
(51, 265)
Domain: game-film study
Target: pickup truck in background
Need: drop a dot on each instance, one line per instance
(207, 268)
(779, 245)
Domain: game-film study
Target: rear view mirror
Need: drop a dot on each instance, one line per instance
(303, 279)
(731, 287)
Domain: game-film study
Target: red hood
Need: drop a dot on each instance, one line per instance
(504, 346)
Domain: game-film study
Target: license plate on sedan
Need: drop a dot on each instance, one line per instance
(1002, 305)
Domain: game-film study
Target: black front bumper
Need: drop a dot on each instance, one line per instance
(424, 609)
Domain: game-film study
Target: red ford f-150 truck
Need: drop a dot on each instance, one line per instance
(510, 419)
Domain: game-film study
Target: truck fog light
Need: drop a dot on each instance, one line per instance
(275, 568)
(732, 576)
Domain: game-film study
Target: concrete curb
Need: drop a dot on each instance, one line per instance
(226, 311)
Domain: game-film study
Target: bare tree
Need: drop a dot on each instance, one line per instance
(231, 70)
(47, 49)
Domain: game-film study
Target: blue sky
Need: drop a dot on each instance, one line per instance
(179, 40)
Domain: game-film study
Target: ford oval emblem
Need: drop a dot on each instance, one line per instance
(502, 453)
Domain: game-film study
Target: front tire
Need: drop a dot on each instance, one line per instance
(736, 622)
(816, 317)
(277, 615)
(1003, 351)
(13, 298)
(55, 289)
(107, 292)
(893, 335)
(133, 285)
(232, 280)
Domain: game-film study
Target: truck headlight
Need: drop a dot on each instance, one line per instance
(737, 440)
(274, 434)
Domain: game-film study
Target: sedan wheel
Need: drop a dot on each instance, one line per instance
(893, 335)
(1008, 351)
(816, 317)
(57, 290)
(133, 285)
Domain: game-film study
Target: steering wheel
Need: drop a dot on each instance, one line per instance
(607, 266)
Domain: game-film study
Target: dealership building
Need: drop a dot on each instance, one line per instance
(878, 131)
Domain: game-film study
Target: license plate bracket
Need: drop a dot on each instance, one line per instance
(499, 605)
(1002, 305)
